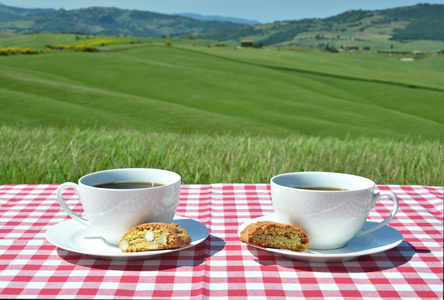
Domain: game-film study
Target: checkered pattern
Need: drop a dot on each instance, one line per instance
(221, 266)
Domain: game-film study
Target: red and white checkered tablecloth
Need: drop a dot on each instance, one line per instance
(221, 266)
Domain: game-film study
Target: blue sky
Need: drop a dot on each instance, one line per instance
(264, 11)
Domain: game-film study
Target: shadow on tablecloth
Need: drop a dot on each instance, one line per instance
(386, 260)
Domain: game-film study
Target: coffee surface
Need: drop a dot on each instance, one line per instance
(123, 185)
(321, 188)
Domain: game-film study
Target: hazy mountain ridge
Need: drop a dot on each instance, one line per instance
(419, 22)
(103, 20)
(7, 12)
(219, 18)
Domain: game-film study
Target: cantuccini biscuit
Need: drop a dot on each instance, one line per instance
(154, 236)
(275, 235)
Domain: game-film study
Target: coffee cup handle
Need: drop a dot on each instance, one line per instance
(386, 220)
(65, 207)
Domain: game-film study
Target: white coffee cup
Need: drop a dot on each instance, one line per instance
(112, 212)
(330, 218)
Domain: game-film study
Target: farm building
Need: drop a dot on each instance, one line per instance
(350, 47)
(247, 43)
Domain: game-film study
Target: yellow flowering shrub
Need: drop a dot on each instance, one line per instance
(29, 51)
(61, 47)
(87, 48)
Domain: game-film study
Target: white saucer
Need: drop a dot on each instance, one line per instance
(377, 241)
(73, 236)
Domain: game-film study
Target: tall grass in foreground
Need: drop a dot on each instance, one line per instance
(52, 155)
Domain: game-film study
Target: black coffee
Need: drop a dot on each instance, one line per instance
(320, 188)
(124, 185)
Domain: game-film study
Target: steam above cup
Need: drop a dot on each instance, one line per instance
(331, 208)
(111, 212)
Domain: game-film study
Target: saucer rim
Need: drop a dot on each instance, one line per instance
(52, 236)
(318, 255)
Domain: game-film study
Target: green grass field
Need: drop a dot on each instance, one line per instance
(55, 155)
(192, 91)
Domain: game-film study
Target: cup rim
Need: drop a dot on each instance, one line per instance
(84, 177)
(371, 183)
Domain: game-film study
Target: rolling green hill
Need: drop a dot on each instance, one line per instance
(382, 29)
(399, 29)
(188, 87)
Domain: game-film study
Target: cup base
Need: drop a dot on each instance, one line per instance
(327, 248)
